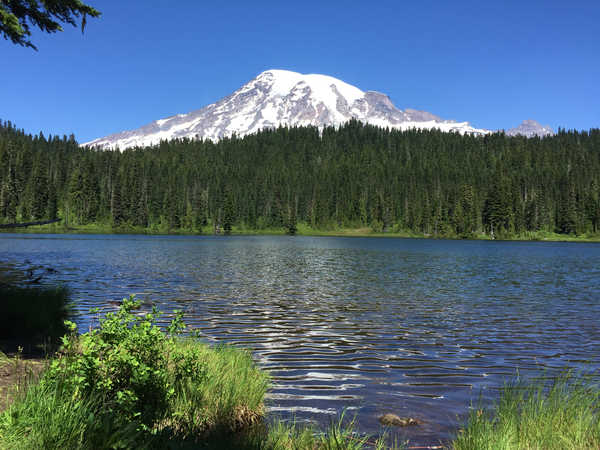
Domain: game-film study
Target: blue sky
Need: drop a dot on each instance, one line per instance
(493, 64)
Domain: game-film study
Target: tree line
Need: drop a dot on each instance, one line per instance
(421, 181)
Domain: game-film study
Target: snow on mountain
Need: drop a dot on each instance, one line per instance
(281, 97)
(530, 128)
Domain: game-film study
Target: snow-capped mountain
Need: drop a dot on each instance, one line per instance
(281, 97)
(530, 128)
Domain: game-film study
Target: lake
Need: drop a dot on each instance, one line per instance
(418, 328)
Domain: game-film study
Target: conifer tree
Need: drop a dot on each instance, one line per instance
(228, 211)
(116, 209)
(52, 204)
(567, 212)
(416, 180)
(292, 221)
(18, 16)
(9, 196)
(141, 212)
(172, 209)
(38, 191)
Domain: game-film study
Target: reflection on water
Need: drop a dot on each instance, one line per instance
(415, 327)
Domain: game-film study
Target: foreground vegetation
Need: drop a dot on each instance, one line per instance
(562, 414)
(130, 384)
(357, 177)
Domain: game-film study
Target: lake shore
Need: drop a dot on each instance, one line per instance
(555, 414)
(378, 289)
(303, 230)
(130, 384)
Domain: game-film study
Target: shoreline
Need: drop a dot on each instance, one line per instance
(564, 406)
(303, 230)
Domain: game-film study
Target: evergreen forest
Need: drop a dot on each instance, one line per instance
(429, 183)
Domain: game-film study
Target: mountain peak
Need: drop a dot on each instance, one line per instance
(282, 97)
(531, 128)
(284, 81)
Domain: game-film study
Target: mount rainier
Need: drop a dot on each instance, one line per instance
(281, 97)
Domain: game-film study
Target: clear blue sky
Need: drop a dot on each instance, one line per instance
(493, 65)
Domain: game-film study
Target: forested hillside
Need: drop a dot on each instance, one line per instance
(430, 182)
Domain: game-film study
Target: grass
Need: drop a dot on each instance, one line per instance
(229, 398)
(340, 435)
(304, 229)
(31, 323)
(561, 414)
(54, 415)
(32, 315)
(279, 435)
(130, 384)
(554, 237)
(48, 417)
(16, 373)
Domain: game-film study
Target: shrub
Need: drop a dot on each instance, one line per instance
(124, 362)
(129, 384)
(130, 379)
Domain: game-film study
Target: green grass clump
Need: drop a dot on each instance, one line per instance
(131, 380)
(33, 314)
(562, 415)
(130, 384)
(229, 396)
(44, 417)
(340, 435)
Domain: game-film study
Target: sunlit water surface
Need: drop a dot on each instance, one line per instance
(419, 328)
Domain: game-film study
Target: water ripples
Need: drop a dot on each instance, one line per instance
(417, 328)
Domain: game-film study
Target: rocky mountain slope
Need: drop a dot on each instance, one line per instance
(530, 128)
(281, 97)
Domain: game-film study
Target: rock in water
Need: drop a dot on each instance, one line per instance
(396, 421)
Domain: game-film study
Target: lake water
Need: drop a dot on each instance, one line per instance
(419, 328)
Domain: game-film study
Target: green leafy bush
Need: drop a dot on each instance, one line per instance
(130, 379)
(130, 384)
(125, 361)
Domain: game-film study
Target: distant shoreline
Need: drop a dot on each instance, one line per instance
(303, 230)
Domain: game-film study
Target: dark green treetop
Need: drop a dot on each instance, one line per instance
(17, 16)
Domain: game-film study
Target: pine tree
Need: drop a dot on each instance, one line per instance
(201, 210)
(497, 209)
(172, 209)
(52, 204)
(357, 175)
(228, 211)
(39, 192)
(141, 212)
(292, 221)
(9, 196)
(75, 196)
(567, 212)
(116, 209)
